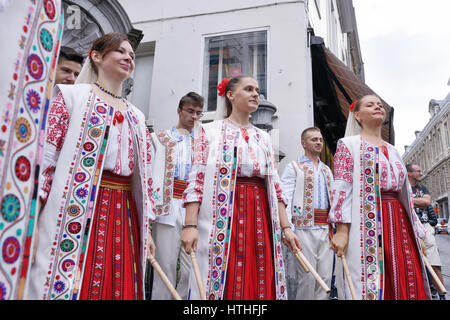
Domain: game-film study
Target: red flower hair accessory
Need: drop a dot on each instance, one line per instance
(352, 106)
(223, 86)
(89, 55)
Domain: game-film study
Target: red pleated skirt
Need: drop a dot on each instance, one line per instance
(112, 264)
(403, 272)
(250, 272)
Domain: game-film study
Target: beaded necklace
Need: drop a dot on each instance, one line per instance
(118, 116)
(107, 92)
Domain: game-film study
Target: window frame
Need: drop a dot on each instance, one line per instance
(210, 115)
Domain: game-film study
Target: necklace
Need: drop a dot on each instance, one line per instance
(107, 92)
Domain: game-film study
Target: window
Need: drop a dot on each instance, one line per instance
(447, 134)
(433, 143)
(231, 55)
(317, 3)
(439, 141)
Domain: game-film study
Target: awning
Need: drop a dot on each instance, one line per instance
(335, 87)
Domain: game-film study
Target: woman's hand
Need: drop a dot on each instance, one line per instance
(339, 242)
(189, 239)
(291, 240)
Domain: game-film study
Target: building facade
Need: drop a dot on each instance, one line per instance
(431, 151)
(192, 46)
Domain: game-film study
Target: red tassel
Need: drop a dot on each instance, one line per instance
(118, 117)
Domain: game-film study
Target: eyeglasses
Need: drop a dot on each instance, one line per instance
(193, 112)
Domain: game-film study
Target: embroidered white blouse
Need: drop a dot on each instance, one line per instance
(120, 156)
(251, 163)
(392, 176)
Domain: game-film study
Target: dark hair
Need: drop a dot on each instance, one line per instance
(70, 54)
(409, 167)
(105, 44)
(230, 86)
(308, 130)
(192, 98)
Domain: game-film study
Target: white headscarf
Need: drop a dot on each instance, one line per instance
(87, 74)
(221, 110)
(353, 128)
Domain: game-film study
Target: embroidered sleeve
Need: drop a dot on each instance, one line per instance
(58, 122)
(276, 177)
(288, 182)
(150, 160)
(280, 194)
(194, 190)
(57, 126)
(418, 227)
(341, 202)
(343, 163)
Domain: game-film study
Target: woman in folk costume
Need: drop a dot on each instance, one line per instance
(235, 209)
(377, 230)
(96, 186)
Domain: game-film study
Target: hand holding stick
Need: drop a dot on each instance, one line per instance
(163, 276)
(301, 258)
(349, 278)
(201, 288)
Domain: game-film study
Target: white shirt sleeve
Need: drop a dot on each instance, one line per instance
(341, 202)
(288, 182)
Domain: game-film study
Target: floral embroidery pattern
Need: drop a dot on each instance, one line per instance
(343, 164)
(338, 209)
(21, 127)
(58, 122)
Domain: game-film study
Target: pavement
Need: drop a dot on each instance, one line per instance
(443, 242)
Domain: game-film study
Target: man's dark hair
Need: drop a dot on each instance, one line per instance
(193, 99)
(409, 167)
(70, 54)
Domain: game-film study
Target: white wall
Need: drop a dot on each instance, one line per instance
(326, 25)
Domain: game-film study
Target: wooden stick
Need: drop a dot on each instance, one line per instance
(441, 287)
(349, 278)
(302, 263)
(201, 288)
(313, 272)
(163, 276)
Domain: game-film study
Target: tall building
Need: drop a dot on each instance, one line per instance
(431, 151)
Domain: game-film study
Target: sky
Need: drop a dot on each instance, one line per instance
(405, 47)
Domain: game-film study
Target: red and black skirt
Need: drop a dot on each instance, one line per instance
(112, 267)
(403, 271)
(250, 272)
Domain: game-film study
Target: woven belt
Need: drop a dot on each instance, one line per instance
(113, 181)
(320, 216)
(250, 180)
(178, 188)
(389, 195)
